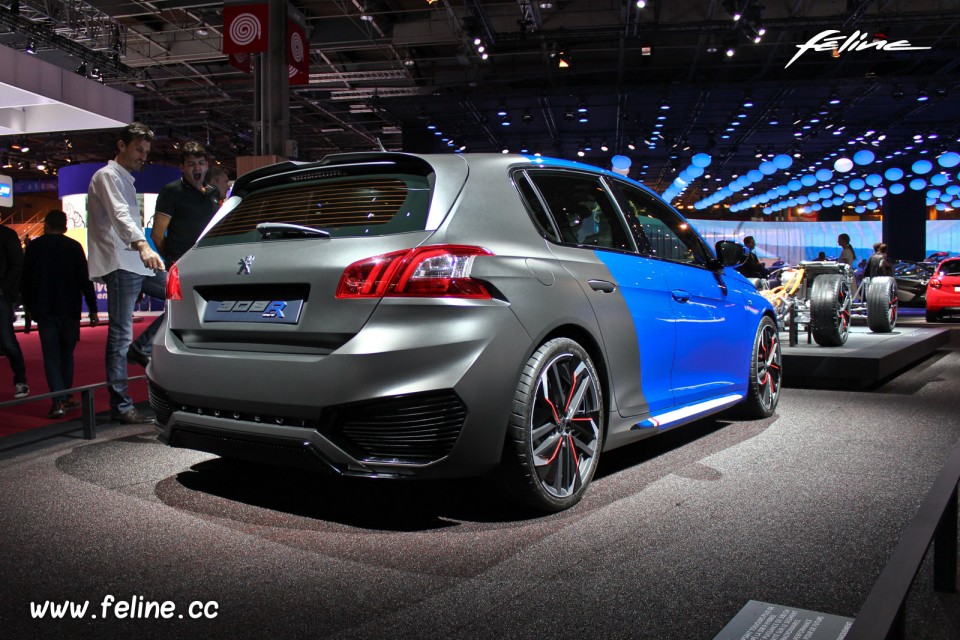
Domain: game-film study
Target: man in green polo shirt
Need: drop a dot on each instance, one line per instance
(185, 206)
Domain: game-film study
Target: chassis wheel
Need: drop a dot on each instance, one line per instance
(932, 316)
(766, 373)
(882, 304)
(556, 428)
(830, 310)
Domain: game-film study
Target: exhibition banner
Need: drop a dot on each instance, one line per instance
(245, 28)
(298, 54)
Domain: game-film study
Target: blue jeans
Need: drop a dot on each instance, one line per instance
(58, 338)
(8, 342)
(123, 288)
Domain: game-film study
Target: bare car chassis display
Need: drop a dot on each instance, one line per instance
(823, 297)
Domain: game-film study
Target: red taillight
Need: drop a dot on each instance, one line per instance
(441, 271)
(936, 283)
(173, 283)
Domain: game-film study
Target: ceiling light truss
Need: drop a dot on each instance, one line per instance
(78, 21)
(530, 14)
(105, 38)
(350, 77)
(366, 93)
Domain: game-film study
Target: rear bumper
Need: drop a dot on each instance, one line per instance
(396, 400)
(943, 301)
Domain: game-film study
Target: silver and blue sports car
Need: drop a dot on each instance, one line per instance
(394, 315)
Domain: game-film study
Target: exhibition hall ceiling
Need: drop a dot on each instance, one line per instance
(656, 82)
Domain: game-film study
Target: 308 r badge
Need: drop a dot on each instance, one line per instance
(272, 311)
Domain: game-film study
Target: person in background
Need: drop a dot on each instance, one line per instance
(11, 261)
(185, 206)
(27, 318)
(217, 177)
(821, 257)
(847, 254)
(121, 258)
(53, 281)
(752, 268)
(878, 264)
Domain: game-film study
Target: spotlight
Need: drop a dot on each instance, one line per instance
(31, 46)
(834, 98)
(527, 117)
(897, 93)
(730, 45)
(922, 96)
(481, 48)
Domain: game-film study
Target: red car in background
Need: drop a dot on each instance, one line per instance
(943, 290)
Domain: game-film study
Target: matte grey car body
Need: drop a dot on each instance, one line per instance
(274, 353)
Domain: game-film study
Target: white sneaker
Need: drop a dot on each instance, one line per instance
(21, 390)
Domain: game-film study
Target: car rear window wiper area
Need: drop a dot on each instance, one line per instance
(271, 230)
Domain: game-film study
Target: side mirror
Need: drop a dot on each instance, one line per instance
(730, 253)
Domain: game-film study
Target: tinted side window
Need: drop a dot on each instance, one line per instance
(534, 205)
(658, 230)
(582, 209)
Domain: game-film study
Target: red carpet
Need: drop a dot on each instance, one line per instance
(89, 368)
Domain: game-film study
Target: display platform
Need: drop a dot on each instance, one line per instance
(866, 358)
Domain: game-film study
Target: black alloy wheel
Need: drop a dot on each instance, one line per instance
(556, 428)
(830, 310)
(766, 373)
(882, 301)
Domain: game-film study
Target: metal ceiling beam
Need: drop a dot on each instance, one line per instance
(44, 34)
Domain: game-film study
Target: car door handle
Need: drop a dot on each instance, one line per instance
(680, 295)
(602, 286)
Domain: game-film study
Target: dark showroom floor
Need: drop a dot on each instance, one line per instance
(675, 536)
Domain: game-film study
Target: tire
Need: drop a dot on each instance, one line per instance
(830, 310)
(766, 373)
(556, 428)
(882, 304)
(933, 316)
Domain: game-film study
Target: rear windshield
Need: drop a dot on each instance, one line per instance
(356, 205)
(950, 268)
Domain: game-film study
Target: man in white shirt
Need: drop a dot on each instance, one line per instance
(120, 257)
